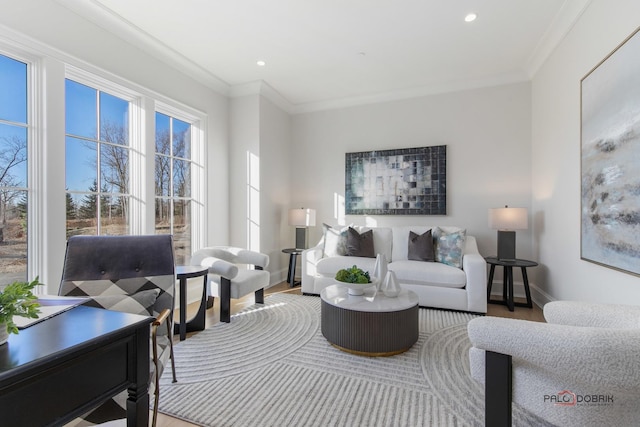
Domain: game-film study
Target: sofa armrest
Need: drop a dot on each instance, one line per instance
(475, 268)
(606, 357)
(310, 258)
(593, 314)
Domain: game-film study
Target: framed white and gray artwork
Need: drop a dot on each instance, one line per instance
(408, 181)
(610, 159)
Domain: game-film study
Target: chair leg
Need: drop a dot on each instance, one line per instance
(156, 380)
(173, 363)
(498, 389)
(225, 300)
(259, 295)
(155, 406)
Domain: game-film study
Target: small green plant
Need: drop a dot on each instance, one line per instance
(17, 299)
(353, 275)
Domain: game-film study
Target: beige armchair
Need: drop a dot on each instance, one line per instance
(231, 274)
(582, 368)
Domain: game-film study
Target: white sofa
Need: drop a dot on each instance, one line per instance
(436, 284)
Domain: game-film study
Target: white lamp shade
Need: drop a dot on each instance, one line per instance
(508, 218)
(302, 217)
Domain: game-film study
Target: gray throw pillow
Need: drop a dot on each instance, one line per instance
(421, 247)
(360, 244)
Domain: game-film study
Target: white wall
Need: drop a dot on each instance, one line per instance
(488, 137)
(275, 176)
(556, 158)
(260, 136)
(54, 36)
(244, 140)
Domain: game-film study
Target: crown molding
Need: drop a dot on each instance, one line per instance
(261, 88)
(95, 12)
(561, 25)
(122, 28)
(417, 92)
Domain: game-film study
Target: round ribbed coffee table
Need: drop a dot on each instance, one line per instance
(371, 324)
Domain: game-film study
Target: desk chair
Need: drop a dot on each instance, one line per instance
(133, 274)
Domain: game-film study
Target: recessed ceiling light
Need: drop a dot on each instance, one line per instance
(470, 17)
(261, 63)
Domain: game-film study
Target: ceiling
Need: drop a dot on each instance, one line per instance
(328, 53)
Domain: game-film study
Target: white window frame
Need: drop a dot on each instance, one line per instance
(136, 142)
(198, 225)
(35, 159)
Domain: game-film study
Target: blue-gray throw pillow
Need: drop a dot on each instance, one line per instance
(450, 247)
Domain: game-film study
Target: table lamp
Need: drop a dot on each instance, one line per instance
(506, 220)
(302, 218)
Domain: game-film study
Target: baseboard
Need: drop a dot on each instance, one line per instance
(277, 277)
(538, 296)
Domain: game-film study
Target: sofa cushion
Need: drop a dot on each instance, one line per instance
(334, 241)
(421, 247)
(428, 273)
(360, 245)
(450, 246)
(330, 266)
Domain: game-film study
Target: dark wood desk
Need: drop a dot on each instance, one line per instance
(59, 369)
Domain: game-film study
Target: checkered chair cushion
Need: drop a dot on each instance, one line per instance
(133, 274)
(138, 303)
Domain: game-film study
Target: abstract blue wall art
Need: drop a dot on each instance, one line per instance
(409, 181)
(610, 163)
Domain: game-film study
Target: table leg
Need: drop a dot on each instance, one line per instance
(292, 270)
(183, 309)
(505, 284)
(525, 280)
(198, 322)
(490, 282)
(509, 271)
(138, 392)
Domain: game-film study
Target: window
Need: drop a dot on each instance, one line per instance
(14, 190)
(98, 152)
(173, 172)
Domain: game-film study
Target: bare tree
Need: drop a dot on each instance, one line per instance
(114, 164)
(13, 152)
(163, 172)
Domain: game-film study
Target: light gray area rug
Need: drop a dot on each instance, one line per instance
(271, 366)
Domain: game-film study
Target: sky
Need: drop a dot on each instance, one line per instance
(13, 108)
(86, 109)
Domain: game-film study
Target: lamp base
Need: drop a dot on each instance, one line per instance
(506, 245)
(301, 238)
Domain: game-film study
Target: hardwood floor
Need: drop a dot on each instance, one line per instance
(213, 317)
